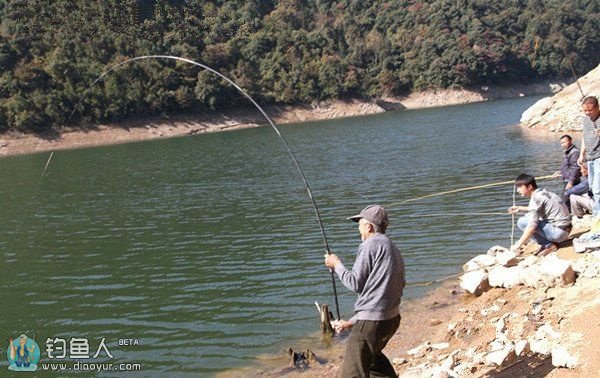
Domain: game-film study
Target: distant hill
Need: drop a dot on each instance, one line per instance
(281, 52)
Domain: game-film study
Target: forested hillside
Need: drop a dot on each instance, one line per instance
(285, 51)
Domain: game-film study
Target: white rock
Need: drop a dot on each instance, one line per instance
(546, 331)
(533, 277)
(440, 346)
(478, 262)
(560, 270)
(399, 361)
(591, 272)
(419, 351)
(528, 261)
(436, 372)
(449, 362)
(507, 258)
(522, 347)
(501, 326)
(500, 276)
(475, 282)
(451, 326)
(496, 345)
(487, 311)
(533, 115)
(501, 357)
(562, 358)
(497, 249)
(542, 347)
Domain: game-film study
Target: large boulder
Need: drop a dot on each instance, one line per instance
(550, 271)
(558, 269)
(500, 276)
(478, 262)
(533, 115)
(475, 282)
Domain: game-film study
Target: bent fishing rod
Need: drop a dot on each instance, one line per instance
(285, 143)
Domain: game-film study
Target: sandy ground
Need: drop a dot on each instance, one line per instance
(13, 143)
(448, 314)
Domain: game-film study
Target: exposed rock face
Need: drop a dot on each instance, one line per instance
(561, 112)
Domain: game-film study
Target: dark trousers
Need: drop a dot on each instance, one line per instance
(364, 357)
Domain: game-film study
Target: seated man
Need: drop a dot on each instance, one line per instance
(579, 189)
(547, 219)
(581, 204)
(579, 197)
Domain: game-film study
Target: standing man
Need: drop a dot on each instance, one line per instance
(547, 219)
(378, 278)
(569, 169)
(590, 146)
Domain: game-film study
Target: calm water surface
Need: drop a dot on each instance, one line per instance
(206, 249)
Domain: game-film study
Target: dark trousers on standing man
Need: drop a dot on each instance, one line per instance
(364, 356)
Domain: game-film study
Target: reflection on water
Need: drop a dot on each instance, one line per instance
(206, 248)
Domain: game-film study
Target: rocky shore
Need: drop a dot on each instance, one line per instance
(543, 321)
(155, 128)
(560, 113)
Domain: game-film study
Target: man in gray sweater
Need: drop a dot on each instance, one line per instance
(378, 278)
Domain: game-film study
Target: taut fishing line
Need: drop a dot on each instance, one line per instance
(285, 143)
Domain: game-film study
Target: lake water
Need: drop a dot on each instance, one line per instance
(206, 249)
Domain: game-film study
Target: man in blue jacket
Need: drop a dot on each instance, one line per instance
(377, 276)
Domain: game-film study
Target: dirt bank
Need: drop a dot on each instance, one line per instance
(155, 128)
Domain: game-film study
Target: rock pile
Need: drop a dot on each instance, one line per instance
(502, 268)
(509, 330)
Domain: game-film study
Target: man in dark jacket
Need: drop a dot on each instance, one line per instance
(570, 171)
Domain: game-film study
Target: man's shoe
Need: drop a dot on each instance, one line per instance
(553, 247)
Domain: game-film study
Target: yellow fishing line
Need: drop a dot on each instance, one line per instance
(462, 190)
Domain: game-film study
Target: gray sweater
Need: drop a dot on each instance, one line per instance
(377, 277)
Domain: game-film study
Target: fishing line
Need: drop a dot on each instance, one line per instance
(453, 214)
(33, 194)
(462, 190)
(285, 143)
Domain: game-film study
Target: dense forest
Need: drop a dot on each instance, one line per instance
(279, 51)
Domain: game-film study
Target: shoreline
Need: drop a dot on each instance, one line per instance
(449, 326)
(13, 143)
